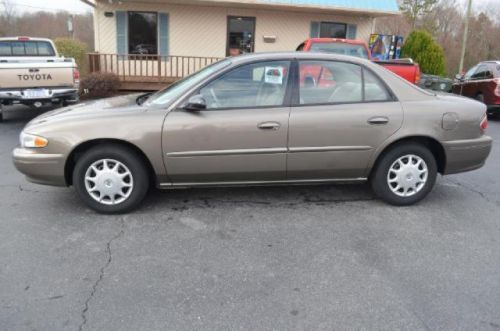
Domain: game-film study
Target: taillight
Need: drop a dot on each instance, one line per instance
(76, 75)
(497, 89)
(417, 74)
(484, 124)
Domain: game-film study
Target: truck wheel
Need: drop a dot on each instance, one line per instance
(405, 174)
(111, 179)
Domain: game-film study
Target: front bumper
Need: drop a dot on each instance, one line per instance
(466, 155)
(46, 169)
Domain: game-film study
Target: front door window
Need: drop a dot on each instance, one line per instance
(254, 85)
(240, 35)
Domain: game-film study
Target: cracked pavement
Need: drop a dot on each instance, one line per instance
(273, 258)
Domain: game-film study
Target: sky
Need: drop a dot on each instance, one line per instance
(76, 6)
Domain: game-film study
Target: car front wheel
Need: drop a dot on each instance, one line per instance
(111, 179)
(405, 174)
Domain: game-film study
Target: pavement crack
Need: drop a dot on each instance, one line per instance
(22, 189)
(101, 273)
(473, 190)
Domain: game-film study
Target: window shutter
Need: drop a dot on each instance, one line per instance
(315, 29)
(121, 33)
(351, 31)
(163, 32)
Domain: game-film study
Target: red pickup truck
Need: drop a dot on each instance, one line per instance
(405, 68)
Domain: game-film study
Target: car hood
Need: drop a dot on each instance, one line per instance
(104, 107)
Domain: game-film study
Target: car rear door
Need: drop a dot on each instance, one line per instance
(335, 128)
(240, 137)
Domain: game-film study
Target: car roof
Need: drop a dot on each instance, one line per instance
(297, 55)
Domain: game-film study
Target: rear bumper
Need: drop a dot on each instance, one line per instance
(17, 96)
(46, 169)
(466, 155)
(493, 109)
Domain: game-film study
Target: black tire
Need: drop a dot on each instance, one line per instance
(1, 113)
(127, 157)
(379, 177)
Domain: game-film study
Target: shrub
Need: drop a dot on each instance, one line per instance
(75, 49)
(426, 52)
(99, 85)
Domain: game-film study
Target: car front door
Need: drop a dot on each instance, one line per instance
(241, 136)
(335, 127)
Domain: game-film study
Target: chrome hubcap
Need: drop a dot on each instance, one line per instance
(407, 175)
(109, 182)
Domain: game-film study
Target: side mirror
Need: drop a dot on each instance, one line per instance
(195, 103)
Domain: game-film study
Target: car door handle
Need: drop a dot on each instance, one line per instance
(381, 120)
(269, 126)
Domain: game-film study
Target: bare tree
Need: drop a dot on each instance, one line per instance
(415, 9)
(8, 17)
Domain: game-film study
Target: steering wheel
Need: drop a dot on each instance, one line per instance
(216, 100)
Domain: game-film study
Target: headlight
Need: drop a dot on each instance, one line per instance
(32, 141)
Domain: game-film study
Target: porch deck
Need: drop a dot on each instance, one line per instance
(141, 72)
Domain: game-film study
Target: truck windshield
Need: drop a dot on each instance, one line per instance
(340, 48)
(175, 90)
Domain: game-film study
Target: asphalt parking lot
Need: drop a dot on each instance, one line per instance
(281, 258)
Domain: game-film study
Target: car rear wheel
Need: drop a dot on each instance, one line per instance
(111, 179)
(405, 174)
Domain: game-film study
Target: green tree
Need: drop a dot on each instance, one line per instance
(414, 9)
(426, 52)
(73, 48)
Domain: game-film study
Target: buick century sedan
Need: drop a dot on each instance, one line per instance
(261, 119)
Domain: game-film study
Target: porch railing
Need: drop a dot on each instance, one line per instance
(142, 68)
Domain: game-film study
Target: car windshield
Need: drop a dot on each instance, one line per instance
(340, 48)
(175, 90)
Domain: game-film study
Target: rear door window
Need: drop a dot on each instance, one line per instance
(334, 82)
(326, 82)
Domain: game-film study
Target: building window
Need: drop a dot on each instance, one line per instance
(142, 33)
(333, 30)
(240, 35)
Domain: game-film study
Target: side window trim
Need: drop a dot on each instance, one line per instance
(286, 100)
(296, 95)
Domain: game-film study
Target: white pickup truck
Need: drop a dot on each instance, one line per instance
(32, 73)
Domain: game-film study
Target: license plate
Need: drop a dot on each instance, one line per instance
(35, 94)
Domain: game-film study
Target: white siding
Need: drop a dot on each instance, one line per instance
(202, 30)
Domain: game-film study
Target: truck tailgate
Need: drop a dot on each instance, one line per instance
(34, 75)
